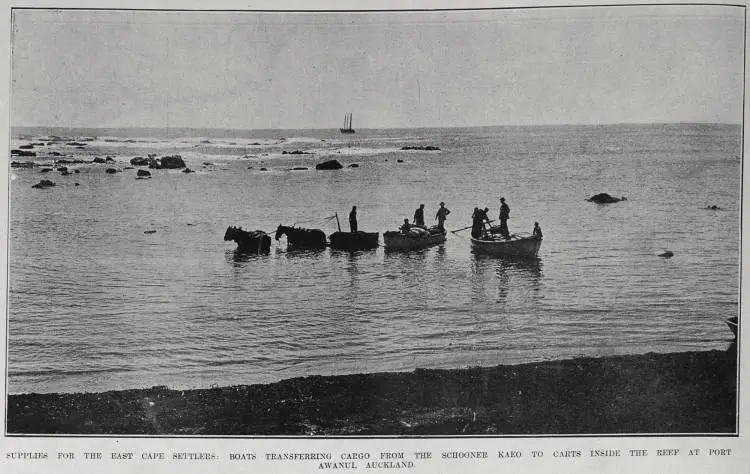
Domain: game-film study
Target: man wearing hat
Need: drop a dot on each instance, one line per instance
(442, 213)
(504, 216)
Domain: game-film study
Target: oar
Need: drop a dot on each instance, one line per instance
(469, 227)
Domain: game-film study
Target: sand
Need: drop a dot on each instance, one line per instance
(691, 392)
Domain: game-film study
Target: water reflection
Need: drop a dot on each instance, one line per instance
(239, 259)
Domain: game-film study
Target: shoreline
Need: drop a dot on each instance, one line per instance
(684, 392)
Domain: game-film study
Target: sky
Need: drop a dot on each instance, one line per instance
(252, 70)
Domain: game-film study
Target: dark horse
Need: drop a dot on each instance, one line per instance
(297, 237)
(255, 241)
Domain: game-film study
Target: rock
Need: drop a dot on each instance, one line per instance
(604, 198)
(111, 171)
(188, 170)
(22, 152)
(45, 183)
(62, 169)
(299, 168)
(26, 147)
(172, 162)
(98, 160)
(296, 152)
(399, 161)
(264, 169)
(139, 161)
(208, 163)
(64, 173)
(128, 168)
(76, 171)
(329, 165)
(19, 164)
(421, 148)
(149, 231)
(55, 153)
(667, 254)
(77, 184)
(354, 165)
(143, 174)
(109, 159)
(71, 162)
(75, 144)
(713, 208)
(46, 170)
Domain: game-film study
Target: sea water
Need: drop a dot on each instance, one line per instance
(96, 303)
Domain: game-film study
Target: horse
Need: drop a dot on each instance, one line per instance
(302, 238)
(255, 241)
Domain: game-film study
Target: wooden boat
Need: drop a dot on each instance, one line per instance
(416, 238)
(519, 245)
(733, 324)
(347, 124)
(354, 240)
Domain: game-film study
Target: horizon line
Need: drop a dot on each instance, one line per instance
(131, 127)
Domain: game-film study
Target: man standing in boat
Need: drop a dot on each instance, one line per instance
(419, 216)
(504, 216)
(442, 213)
(353, 219)
(479, 217)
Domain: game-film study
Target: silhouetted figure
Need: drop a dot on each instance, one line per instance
(537, 230)
(442, 213)
(479, 217)
(419, 216)
(504, 216)
(353, 219)
(405, 226)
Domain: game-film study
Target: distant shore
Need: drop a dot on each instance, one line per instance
(689, 392)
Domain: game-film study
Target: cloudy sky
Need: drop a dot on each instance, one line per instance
(397, 69)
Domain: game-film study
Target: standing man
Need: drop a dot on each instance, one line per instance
(504, 216)
(537, 230)
(442, 213)
(353, 219)
(419, 216)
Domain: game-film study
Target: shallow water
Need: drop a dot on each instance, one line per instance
(96, 304)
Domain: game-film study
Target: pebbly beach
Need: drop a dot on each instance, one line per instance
(674, 393)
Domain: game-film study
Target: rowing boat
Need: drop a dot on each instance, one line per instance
(415, 238)
(518, 245)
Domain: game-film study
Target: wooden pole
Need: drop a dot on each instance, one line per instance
(337, 222)
(469, 227)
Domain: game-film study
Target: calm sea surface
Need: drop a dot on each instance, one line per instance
(96, 304)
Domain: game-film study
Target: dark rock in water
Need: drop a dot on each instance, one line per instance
(421, 148)
(206, 142)
(111, 171)
(109, 159)
(296, 152)
(98, 160)
(299, 168)
(143, 174)
(71, 162)
(149, 231)
(713, 208)
(62, 169)
(65, 173)
(77, 184)
(128, 168)
(45, 183)
(208, 163)
(249, 167)
(172, 162)
(604, 198)
(188, 170)
(26, 147)
(22, 152)
(80, 148)
(55, 153)
(667, 254)
(75, 144)
(139, 161)
(354, 165)
(254, 144)
(46, 170)
(329, 165)
(25, 164)
(76, 171)
(399, 161)
(264, 169)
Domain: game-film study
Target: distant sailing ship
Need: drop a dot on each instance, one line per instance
(347, 124)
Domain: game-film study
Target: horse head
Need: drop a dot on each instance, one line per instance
(281, 230)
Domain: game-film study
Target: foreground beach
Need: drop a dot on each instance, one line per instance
(691, 392)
